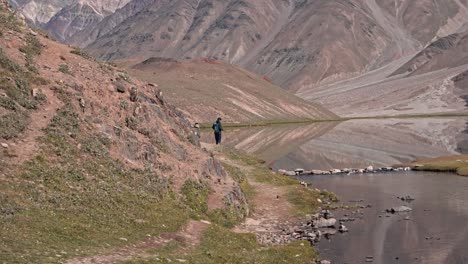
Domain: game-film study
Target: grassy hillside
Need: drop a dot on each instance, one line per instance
(96, 167)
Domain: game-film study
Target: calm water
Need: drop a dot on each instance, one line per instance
(436, 232)
(440, 213)
(357, 143)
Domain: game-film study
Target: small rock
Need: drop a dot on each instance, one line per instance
(407, 218)
(370, 168)
(4, 145)
(325, 262)
(343, 229)
(123, 239)
(120, 88)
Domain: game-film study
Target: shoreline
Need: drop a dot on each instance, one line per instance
(342, 119)
(457, 164)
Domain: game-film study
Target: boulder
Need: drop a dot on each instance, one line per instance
(299, 171)
(120, 88)
(335, 171)
(361, 171)
(370, 168)
(399, 209)
(322, 222)
(289, 173)
(317, 172)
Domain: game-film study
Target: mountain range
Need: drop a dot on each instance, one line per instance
(342, 54)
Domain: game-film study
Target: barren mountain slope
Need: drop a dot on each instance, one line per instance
(79, 16)
(447, 52)
(205, 89)
(39, 12)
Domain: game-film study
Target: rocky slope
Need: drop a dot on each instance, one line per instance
(206, 89)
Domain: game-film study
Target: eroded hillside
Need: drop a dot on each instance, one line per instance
(206, 89)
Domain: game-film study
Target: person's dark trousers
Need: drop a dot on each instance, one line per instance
(218, 138)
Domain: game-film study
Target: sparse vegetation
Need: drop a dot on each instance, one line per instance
(82, 53)
(124, 76)
(132, 122)
(32, 49)
(65, 69)
(12, 124)
(8, 20)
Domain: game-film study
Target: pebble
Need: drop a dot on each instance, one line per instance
(4, 145)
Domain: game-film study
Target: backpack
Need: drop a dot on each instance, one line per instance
(216, 127)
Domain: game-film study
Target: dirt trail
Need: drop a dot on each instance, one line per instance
(272, 211)
(27, 145)
(189, 237)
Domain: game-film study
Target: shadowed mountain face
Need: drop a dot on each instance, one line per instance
(324, 50)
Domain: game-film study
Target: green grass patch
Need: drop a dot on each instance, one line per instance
(64, 68)
(70, 201)
(454, 164)
(220, 245)
(195, 197)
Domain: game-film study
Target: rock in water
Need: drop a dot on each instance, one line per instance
(322, 222)
(400, 209)
(370, 168)
(343, 228)
(299, 171)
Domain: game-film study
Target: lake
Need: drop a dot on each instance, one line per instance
(435, 231)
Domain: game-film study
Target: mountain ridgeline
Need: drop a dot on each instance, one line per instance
(303, 46)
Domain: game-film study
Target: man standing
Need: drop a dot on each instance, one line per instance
(218, 128)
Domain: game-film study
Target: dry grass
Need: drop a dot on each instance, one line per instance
(457, 164)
